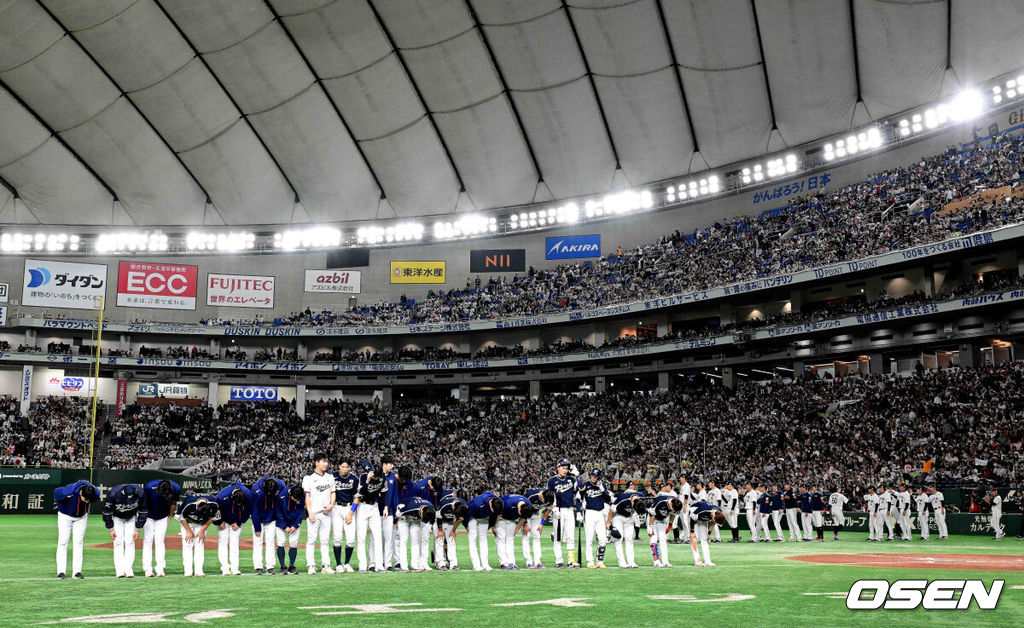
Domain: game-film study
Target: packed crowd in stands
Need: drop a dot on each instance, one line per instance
(55, 433)
(849, 430)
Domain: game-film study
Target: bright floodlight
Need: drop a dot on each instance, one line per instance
(966, 106)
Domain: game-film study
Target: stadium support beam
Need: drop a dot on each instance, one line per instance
(663, 380)
(970, 355)
(300, 400)
(600, 384)
(877, 363)
(728, 377)
(534, 389)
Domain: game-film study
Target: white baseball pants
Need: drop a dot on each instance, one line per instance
(531, 541)
(478, 551)
(504, 541)
(940, 522)
(793, 524)
(444, 547)
(889, 525)
(318, 530)
(625, 549)
(564, 520)
(905, 525)
(808, 522)
(996, 527)
(341, 529)
(777, 521)
(70, 529)
(409, 533)
(661, 538)
(766, 525)
(227, 548)
(922, 520)
(124, 546)
(264, 545)
(389, 542)
(753, 522)
(193, 551)
(154, 535)
(594, 522)
(368, 520)
(292, 538)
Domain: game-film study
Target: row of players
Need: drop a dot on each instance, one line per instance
(397, 516)
(401, 517)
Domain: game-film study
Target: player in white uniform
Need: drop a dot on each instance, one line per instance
(922, 501)
(903, 512)
(888, 510)
(687, 496)
(319, 488)
(997, 513)
(715, 499)
(937, 499)
(731, 508)
(836, 501)
(753, 519)
(874, 520)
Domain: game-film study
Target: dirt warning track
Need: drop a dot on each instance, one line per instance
(976, 562)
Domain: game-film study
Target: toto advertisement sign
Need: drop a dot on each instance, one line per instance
(333, 281)
(162, 286)
(253, 393)
(239, 290)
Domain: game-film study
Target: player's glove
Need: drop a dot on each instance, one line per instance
(579, 517)
(573, 470)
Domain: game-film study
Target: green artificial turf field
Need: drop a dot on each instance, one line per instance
(752, 584)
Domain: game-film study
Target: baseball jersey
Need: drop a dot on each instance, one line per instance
(263, 504)
(789, 497)
(446, 512)
(764, 503)
(731, 499)
(623, 504)
(750, 499)
(156, 507)
(702, 495)
(836, 501)
(778, 503)
(805, 502)
(345, 488)
(188, 511)
(715, 496)
(288, 513)
(997, 505)
(536, 497)
(661, 508)
(480, 507)
(370, 491)
(318, 487)
(423, 490)
(510, 506)
(702, 511)
(69, 499)
(120, 504)
(936, 500)
(685, 493)
(922, 502)
(872, 502)
(595, 496)
(563, 488)
(410, 508)
(902, 501)
(230, 513)
(816, 502)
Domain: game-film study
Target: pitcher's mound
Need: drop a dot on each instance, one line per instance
(983, 562)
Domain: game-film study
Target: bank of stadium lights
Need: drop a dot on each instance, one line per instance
(309, 238)
(50, 242)
(471, 225)
(131, 242)
(966, 105)
(693, 189)
(561, 215)
(1014, 89)
(853, 144)
(401, 232)
(773, 168)
(222, 242)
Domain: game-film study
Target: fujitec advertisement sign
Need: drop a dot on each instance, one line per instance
(161, 286)
(64, 284)
(239, 291)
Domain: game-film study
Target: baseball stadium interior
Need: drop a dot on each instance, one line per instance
(352, 286)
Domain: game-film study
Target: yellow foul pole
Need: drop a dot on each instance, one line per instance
(95, 390)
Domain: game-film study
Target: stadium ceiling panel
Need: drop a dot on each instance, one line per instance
(231, 111)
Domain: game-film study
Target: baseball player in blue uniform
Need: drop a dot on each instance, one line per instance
(806, 513)
(791, 500)
(778, 509)
(818, 513)
(411, 514)
(72, 519)
(161, 502)
(703, 515)
(452, 513)
(516, 510)
(483, 513)
(622, 518)
(264, 534)
(595, 498)
(564, 514)
(124, 514)
(764, 505)
(196, 513)
(387, 510)
(432, 490)
(372, 488)
(543, 501)
(289, 511)
(660, 517)
(401, 490)
(345, 483)
(235, 505)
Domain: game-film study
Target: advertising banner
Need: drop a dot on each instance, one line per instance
(239, 290)
(162, 286)
(333, 281)
(64, 284)
(497, 261)
(122, 396)
(178, 391)
(26, 389)
(417, 272)
(57, 383)
(569, 247)
(5, 289)
(253, 393)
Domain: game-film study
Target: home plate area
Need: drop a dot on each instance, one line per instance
(984, 562)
